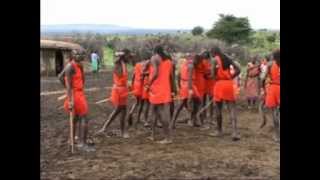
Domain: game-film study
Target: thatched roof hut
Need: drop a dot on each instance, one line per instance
(59, 45)
(54, 55)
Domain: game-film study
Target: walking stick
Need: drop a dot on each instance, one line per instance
(71, 130)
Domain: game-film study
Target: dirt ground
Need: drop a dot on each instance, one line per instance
(193, 155)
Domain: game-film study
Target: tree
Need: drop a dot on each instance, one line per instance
(272, 38)
(231, 29)
(198, 30)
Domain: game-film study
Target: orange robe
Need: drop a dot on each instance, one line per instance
(119, 93)
(200, 81)
(223, 88)
(273, 90)
(184, 78)
(80, 101)
(137, 83)
(160, 89)
(209, 82)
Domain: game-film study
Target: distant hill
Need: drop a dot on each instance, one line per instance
(103, 29)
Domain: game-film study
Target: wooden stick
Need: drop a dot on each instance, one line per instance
(102, 101)
(62, 97)
(71, 132)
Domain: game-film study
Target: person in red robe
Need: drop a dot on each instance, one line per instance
(72, 77)
(119, 92)
(223, 91)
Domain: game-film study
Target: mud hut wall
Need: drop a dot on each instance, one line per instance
(66, 56)
(47, 61)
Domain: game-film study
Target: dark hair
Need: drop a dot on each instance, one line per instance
(226, 61)
(126, 51)
(206, 54)
(267, 57)
(276, 56)
(197, 58)
(145, 54)
(159, 50)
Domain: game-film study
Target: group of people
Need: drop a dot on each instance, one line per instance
(205, 81)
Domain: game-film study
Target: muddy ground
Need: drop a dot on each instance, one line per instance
(193, 155)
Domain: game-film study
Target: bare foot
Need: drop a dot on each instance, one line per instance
(235, 137)
(146, 124)
(151, 138)
(276, 139)
(205, 128)
(125, 135)
(216, 134)
(165, 141)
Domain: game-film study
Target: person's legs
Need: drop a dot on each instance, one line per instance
(195, 108)
(276, 124)
(211, 108)
(233, 117)
(262, 113)
(132, 110)
(176, 114)
(171, 109)
(146, 113)
(142, 102)
(203, 104)
(155, 117)
(219, 119)
(110, 119)
(84, 135)
(76, 128)
(123, 113)
(164, 116)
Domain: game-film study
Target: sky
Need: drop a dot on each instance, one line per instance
(159, 14)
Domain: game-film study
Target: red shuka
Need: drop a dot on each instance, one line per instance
(223, 88)
(273, 90)
(137, 84)
(160, 90)
(200, 81)
(80, 101)
(184, 77)
(119, 93)
(209, 82)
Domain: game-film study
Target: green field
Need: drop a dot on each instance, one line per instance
(108, 56)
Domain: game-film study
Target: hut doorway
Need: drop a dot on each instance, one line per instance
(59, 62)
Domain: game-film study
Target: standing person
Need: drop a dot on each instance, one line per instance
(73, 79)
(251, 83)
(119, 93)
(94, 62)
(209, 81)
(145, 93)
(174, 62)
(136, 90)
(272, 98)
(160, 84)
(236, 81)
(187, 89)
(264, 84)
(200, 81)
(223, 91)
(138, 82)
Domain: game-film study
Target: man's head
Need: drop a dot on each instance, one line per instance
(196, 59)
(80, 55)
(276, 56)
(205, 55)
(215, 51)
(159, 50)
(124, 55)
(73, 54)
